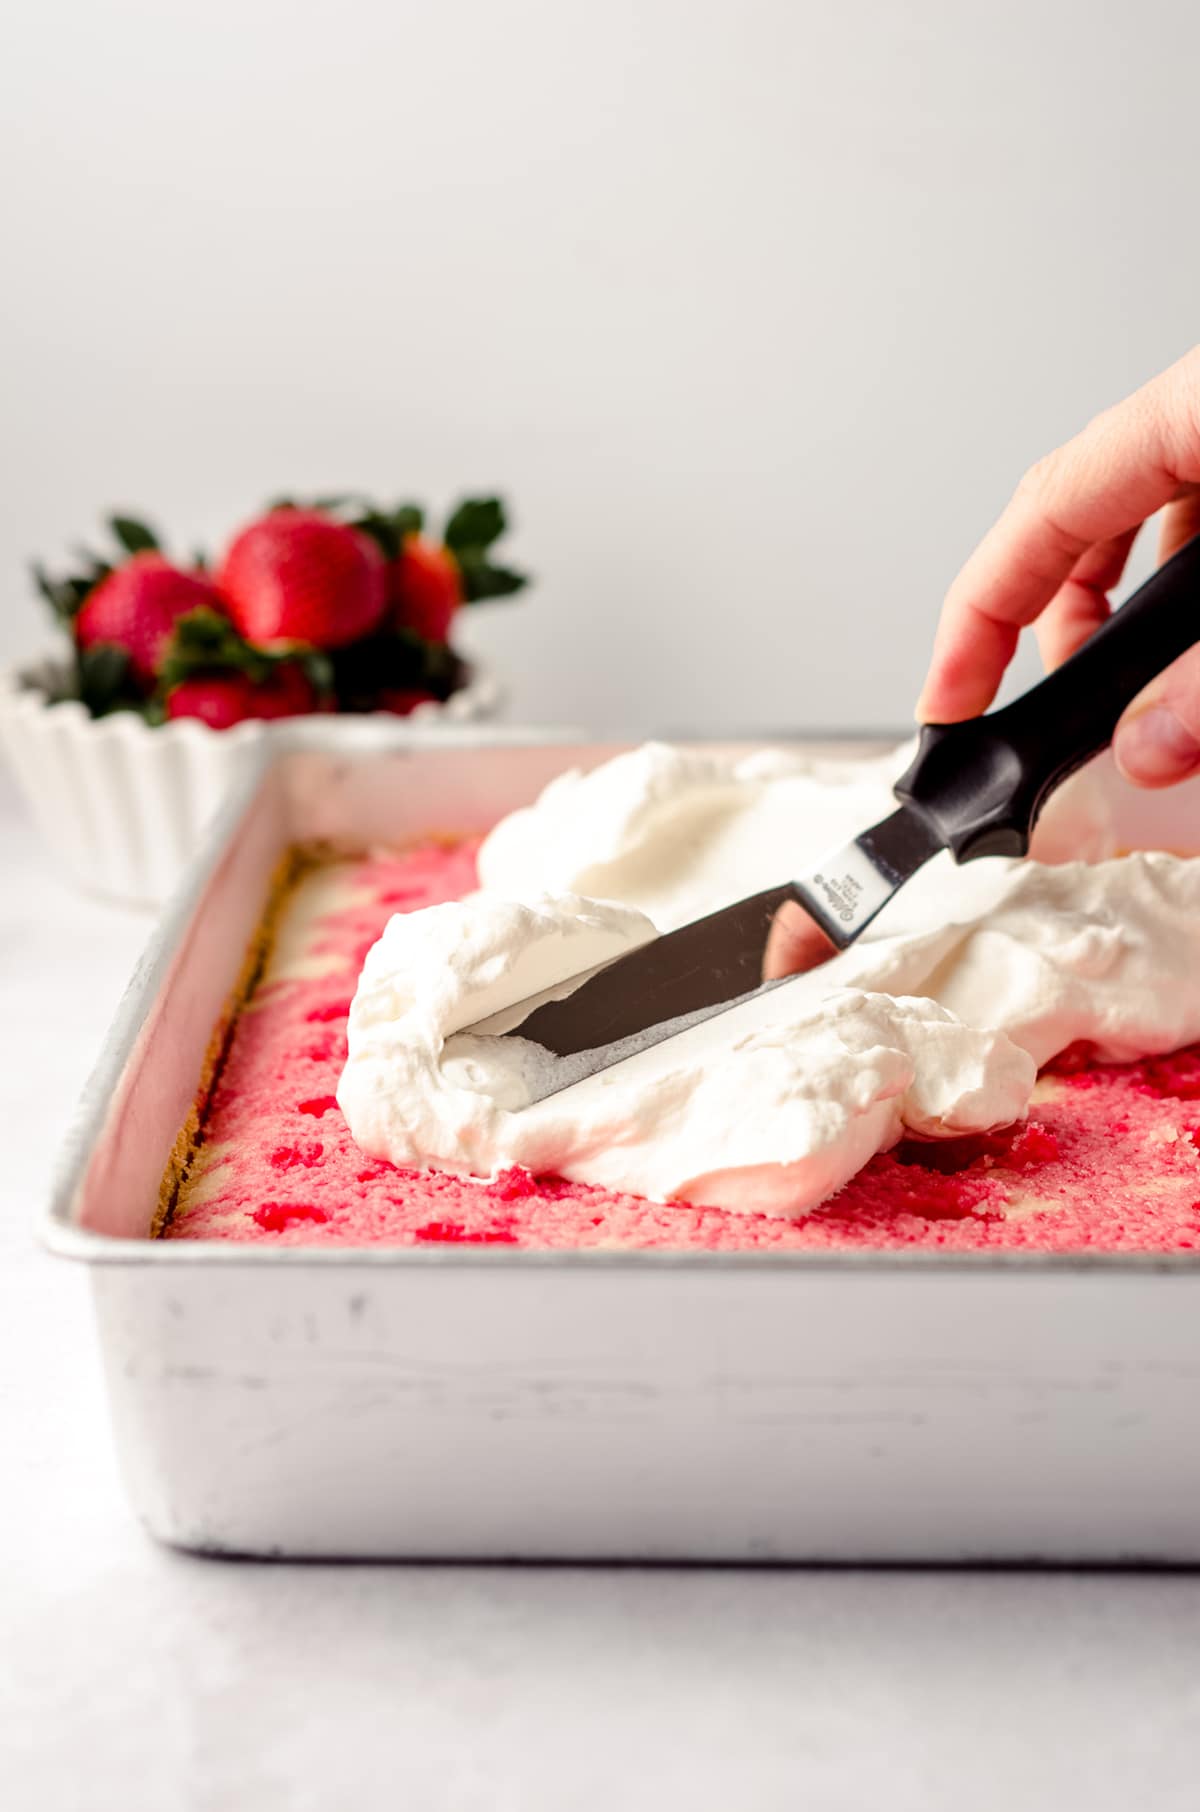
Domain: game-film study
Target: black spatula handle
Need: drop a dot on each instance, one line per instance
(981, 784)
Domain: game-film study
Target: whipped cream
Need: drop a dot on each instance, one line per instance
(934, 1023)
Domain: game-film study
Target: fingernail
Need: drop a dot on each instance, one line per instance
(1154, 748)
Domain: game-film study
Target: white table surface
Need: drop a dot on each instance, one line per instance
(136, 1678)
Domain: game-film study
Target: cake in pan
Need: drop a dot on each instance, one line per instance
(1010, 1061)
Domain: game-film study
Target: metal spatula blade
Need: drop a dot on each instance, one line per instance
(687, 976)
(975, 788)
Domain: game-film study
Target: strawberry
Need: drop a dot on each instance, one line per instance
(296, 575)
(429, 578)
(211, 672)
(136, 606)
(221, 700)
(424, 588)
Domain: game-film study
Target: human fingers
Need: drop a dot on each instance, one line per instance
(1157, 741)
(1080, 604)
(1122, 468)
(1180, 522)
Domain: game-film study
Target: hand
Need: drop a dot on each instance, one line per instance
(1056, 552)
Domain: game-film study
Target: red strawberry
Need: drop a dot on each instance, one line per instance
(403, 699)
(298, 576)
(136, 607)
(425, 588)
(221, 700)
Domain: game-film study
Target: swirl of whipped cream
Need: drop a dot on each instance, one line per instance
(760, 1112)
(935, 1022)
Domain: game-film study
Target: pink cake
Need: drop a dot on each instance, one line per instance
(1109, 1159)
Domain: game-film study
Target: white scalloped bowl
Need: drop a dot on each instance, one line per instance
(122, 806)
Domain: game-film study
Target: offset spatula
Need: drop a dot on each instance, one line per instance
(975, 788)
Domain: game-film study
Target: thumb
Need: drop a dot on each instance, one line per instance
(1157, 740)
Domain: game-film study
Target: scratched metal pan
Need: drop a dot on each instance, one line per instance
(619, 1405)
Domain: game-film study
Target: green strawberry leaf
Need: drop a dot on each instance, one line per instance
(64, 596)
(203, 641)
(382, 531)
(60, 594)
(481, 579)
(133, 535)
(78, 590)
(318, 670)
(475, 524)
(106, 679)
(388, 528)
(471, 531)
(45, 584)
(94, 567)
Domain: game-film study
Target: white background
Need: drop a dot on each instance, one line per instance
(755, 308)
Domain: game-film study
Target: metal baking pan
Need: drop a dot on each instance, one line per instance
(487, 1402)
